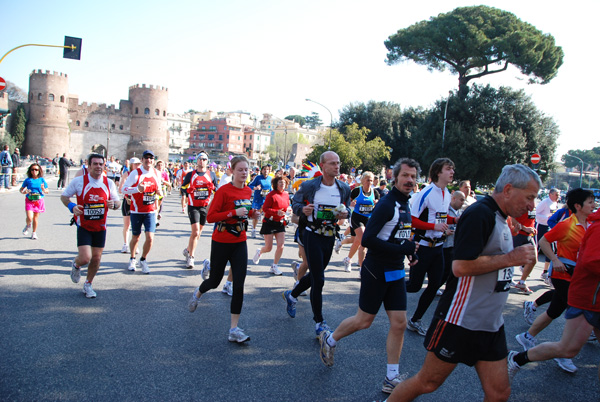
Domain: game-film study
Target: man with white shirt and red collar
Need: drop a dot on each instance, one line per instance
(201, 183)
(95, 195)
(144, 186)
(430, 219)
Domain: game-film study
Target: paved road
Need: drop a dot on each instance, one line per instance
(137, 341)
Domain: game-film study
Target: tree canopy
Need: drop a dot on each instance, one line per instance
(477, 41)
(297, 118)
(313, 120)
(590, 158)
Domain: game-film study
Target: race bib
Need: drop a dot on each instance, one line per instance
(201, 193)
(264, 193)
(441, 217)
(34, 196)
(505, 276)
(531, 214)
(243, 203)
(404, 231)
(365, 209)
(93, 212)
(149, 198)
(325, 212)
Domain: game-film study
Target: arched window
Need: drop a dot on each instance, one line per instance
(147, 111)
(78, 123)
(136, 110)
(112, 127)
(39, 96)
(51, 97)
(121, 127)
(62, 98)
(156, 112)
(165, 113)
(86, 124)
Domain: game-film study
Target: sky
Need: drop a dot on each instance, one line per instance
(269, 56)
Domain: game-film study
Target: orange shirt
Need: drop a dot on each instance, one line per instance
(568, 235)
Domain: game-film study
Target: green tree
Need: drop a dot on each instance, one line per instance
(18, 125)
(313, 121)
(590, 158)
(477, 41)
(489, 129)
(297, 118)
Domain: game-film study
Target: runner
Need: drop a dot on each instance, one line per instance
(387, 238)
(143, 185)
(275, 208)
(467, 326)
(261, 185)
(201, 184)
(525, 227)
(95, 195)
(544, 210)
(134, 163)
(34, 187)
(230, 209)
(456, 203)
(181, 173)
(320, 202)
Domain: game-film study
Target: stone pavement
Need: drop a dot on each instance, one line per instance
(137, 340)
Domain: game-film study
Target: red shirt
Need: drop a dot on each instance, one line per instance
(276, 201)
(227, 199)
(568, 235)
(145, 202)
(200, 189)
(527, 220)
(584, 292)
(95, 205)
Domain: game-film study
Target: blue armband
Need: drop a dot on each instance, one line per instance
(71, 206)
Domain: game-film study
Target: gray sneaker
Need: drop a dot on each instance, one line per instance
(238, 335)
(228, 288)
(295, 266)
(193, 303)
(525, 341)
(566, 364)
(189, 263)
(205, 269)
(89, 292)
(416, 326)
(145, 267)
(529, 312)
(389, 385)
(326, 351)
(513, 367)
(75, 273)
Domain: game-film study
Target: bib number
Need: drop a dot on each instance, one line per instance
(441, 217)
(263, 193)
(325, 213)
(365, 209)
(93, 212)
(149, 198)
(531, 214)
(505, 276)
(201, 193)
(404, 231)
(243, 203)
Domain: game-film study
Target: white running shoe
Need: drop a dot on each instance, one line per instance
(338, 246)
(237, 335)
(254, 237)
(34, 236)
(529, 312)
(228, 289)
(416, 326)
(125, 249)
(186, 253)
(513, 367)
(566, 364)
(525, 341)
(347, 264)
(132, 264)
(145, 267)
(256, 258)
(75, 273)
(205, 269)
(26, 230)
(89, 292)
(189, 263)
(193, 303)
(295, 266)
(275, 270)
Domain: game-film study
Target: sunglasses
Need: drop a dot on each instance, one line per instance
(148, 157)
(35, 170)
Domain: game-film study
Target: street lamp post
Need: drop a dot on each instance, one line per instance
(581, 172)
(330, 119)
(445, 114)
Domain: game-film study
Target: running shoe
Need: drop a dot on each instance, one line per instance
(237, 335)
(439, 292)
(321, 327)
(256, 257)
(529, 312)
(189, 262)
(193, 303)
(548, 281)
(544, 276)
(275, 270)
(347, 264)
(228, 289)
(125, 249)
(326, 351)
(132, 264)
(566, 364)
(513, 367)
(205, 269)
(338, 246)
(291, 303)
(145, 267)
(295, 266)
(525, 341)
(522, 288)
(34, 236)
(389, 385)
(253, 234)
(416, 326)
(26, 230)
(75, 272)
(89, 292)
(186, 253)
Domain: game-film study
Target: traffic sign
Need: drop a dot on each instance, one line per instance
(2, 84)
(535, 159)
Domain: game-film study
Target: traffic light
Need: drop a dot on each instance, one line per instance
(72, 48)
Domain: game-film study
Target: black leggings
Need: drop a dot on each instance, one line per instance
(431, 262)
(318, 253)
(559, 299)
(237, 256)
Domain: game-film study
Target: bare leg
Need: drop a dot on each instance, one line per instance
(280, 237)
(494, 380)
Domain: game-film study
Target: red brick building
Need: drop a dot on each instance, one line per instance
(216, 136)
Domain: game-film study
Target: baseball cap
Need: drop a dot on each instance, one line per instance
(147, 153)
(134, 160)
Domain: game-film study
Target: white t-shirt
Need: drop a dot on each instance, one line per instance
(326, 199)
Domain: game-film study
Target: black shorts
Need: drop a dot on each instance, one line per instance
(374, 291)
(357, 221)
(183, 192)
(454, 344)
(270, 227)
(521, 239)
(125, 208)
(87, 238)
(197, 214)
(299, 235)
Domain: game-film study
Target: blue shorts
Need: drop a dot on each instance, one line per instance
(93, 239)
(592, 317)
(149, 221)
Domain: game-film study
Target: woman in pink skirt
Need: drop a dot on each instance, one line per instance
(34, 187)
